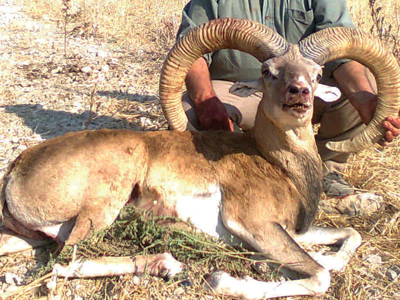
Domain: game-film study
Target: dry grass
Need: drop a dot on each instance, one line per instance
(140, 34)
(381, 18)
(145, 25)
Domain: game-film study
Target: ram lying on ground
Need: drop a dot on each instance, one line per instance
(262, 187)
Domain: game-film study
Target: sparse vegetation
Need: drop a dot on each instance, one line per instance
(108, 78)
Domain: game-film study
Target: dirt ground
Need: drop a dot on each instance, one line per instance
(49, 88)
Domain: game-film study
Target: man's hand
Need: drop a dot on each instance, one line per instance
(210, 111)
(392, 124)
(366, 105)
(212, 115)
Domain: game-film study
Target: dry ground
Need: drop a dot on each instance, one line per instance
(98, 68)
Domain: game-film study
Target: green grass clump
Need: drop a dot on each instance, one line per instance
(142, 233)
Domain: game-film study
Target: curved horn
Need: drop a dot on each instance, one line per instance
(335, 43)
(244, 35)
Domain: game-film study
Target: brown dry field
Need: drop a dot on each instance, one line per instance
(106, 76)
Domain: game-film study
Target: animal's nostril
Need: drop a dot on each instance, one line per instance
(297, 90)
(293, 90)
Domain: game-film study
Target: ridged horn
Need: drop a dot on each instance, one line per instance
(335, 43)
(240, 34)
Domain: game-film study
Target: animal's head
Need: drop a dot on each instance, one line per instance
(289, 84)
(270, 49)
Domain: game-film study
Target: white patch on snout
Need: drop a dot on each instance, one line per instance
(201, 210)
(301, 79)
(303, 83)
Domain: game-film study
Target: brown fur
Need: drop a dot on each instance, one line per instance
(100, 169)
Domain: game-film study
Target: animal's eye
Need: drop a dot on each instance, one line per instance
(267, 73)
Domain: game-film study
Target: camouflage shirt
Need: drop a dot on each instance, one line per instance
(293, 19)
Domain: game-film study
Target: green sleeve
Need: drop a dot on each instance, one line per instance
(197, 12)
(329, 13)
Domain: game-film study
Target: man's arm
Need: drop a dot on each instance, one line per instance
(359, 86)
(211, 113)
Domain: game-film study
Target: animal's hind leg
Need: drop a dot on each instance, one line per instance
(17, 237)
(11, 242)
(348, 238)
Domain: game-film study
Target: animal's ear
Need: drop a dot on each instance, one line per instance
(327, 93)
(246, 88)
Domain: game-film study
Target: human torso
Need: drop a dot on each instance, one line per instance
(293, 20)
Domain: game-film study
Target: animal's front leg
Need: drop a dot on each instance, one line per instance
(271, 239)
(161, 265)
(348, 238)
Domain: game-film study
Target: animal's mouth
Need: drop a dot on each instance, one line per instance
(300, 108)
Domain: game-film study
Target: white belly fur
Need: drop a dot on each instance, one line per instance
(202, 211)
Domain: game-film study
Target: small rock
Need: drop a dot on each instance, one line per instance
(13, 279)
(42, 41)
(144, 121)
(24, 64)
(393, 273)
(179, 291)
(373, 259)
(86, 70)
(5, 56)
(136, 280)
(113, 61)
(10, 288)
(101, 53)
(105, 68)
(32, 26)
(57, 70)
(14, 140)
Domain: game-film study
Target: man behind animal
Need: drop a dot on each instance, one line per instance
(209, 104)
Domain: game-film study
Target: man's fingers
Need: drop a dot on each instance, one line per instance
(395, 121)
(392, 125)
(388, 137)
